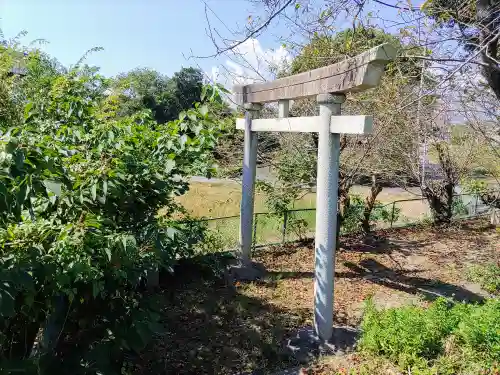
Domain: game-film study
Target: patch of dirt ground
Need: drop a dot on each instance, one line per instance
(214, 328)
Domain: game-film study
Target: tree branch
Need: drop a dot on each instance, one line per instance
(437, 59)
(395, 6)
(253, 33)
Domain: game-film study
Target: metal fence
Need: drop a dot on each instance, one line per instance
(299, 224)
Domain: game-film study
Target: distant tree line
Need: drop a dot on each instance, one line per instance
(165, 96)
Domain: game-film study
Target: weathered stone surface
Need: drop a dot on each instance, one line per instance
(305, 346)
(495, 217)
(357, 74)
(244, 271)
(338, 124)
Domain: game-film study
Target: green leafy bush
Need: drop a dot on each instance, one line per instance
(443, 337)
(479, 331)
(458, 207)
(487, 276)
(79, 230)
(281, 200)
(354, 214)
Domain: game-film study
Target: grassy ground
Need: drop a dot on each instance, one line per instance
(215, 328)
(222, 199)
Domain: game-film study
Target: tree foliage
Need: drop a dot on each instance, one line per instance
(324, 49)
(81, 185)
(393, 152)
(479, 25)
(165, 97)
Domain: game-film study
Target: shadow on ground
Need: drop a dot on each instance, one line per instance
(429, 289)
(399, 241)
(381, 245)
(211, 328)
(377, 273)
(214, 328)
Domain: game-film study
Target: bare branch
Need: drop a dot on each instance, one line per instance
(250, 35)
(442, 59)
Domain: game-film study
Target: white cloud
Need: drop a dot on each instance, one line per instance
(249, 63)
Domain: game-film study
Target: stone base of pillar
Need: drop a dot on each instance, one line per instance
(244, 271)
(305, 346)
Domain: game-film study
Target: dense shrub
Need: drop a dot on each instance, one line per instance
(488, 276)
(479, 331)
(80, 189)
(280, 202)
(444, 338)
(354, 215)
(459, 208)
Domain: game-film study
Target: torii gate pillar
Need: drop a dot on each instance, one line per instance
(326, 214)
(248, 183)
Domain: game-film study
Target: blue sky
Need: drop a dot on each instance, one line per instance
(147, 33)
(159, 34)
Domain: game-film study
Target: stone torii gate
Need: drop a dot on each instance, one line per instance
(329, 84)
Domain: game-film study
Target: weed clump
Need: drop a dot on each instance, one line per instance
(445, 338)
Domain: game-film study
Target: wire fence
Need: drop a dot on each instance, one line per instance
(299, 224)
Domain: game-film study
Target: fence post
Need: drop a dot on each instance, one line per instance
(285, 219)
(475, 206)
(392, 213)
(254, 235)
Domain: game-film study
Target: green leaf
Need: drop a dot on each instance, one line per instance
(93, 191)
(204, 110)
(222, 89)
(91, 221)
(53, 186)
(19, 159)
(96, 288)
(108, 253)
(27, 110)
(22, 194)
(124, 242)
(183, 139)
(102, 199)
(6, 301)
(169, 165)
(172, 232)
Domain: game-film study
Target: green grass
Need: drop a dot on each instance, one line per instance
(222, 199)
(442, 339)
(488, 276)
(224, 233)
(219, 199)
